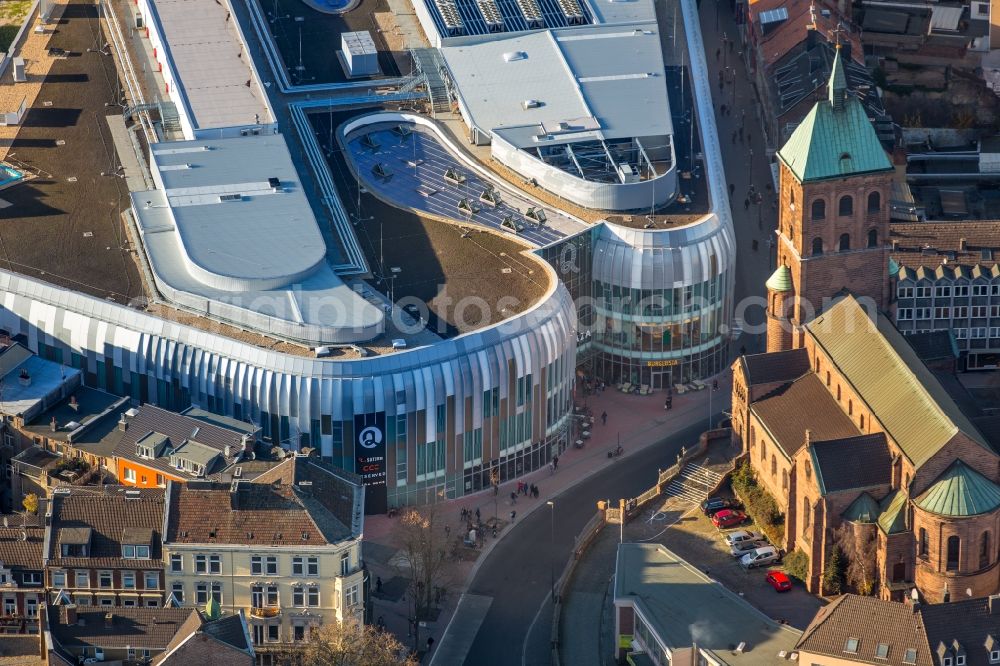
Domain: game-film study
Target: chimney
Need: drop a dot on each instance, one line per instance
(24, 378)
(961, 244)
(67, 614)
(947, 596)
(109, 620)
(53, 425)
(994, 602)
(123, 423)
(73, 404)
(809, 435)
(228, 451)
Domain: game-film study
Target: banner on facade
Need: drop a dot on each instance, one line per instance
(369, 458)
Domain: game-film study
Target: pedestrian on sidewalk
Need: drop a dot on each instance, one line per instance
(513, 498)
(494, 530)
(513, 514)
(670, 403)
(604, 418)
(430, 644)
(555, 461)
(746, 204)
(378, 584)
(552, 468)
(477, 514)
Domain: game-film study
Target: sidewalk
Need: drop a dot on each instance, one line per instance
(640, 422)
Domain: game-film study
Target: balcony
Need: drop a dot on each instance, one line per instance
(265, 612)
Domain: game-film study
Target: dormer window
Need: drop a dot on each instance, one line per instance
(851, 646)
(74, 541)
(136, 543)
(910, 656)
(882, 651)
(995, 656)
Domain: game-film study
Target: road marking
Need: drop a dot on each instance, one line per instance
(531, 628)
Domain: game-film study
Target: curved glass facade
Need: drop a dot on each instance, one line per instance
(661, 303)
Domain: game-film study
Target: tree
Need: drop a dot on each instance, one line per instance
(422, 561)
(833, 572)
(860, 549)
(30, 503)
(349, 643)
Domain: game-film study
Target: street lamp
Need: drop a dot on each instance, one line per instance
(552, 536)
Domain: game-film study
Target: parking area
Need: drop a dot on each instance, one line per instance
(684, 529)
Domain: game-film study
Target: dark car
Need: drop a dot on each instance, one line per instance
(713, 505)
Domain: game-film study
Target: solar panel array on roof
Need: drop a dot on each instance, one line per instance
(456, 18)
(774, 15)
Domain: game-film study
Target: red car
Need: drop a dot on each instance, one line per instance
(728, 518)
(779, 581)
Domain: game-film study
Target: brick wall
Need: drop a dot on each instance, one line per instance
(932, 572)
(862, 270)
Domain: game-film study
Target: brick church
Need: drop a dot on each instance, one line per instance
(843, 419)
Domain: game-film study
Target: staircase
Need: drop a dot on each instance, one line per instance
(169, 117)
(428, 62)
(692, 484)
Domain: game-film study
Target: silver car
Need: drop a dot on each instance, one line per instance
(760, 557)
(741, 548)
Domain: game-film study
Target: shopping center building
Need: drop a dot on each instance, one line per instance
(248, 319)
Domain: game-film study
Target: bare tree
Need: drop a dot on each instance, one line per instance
(859, 545)
(423, 561)
(349, 643)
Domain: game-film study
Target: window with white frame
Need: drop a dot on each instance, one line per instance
(271, 565)
(312, 598)
(176, 562)
(128, 580)
(961, 311)
(201, 593)
(217, 592)
(904, 291)
(923, 292)
(978, 333)
(105, 579)
(942, 291)
(942, 313)
(298, 596)
(961, 290)
(130, 475)
(923, 313)
(980, 290)
(214, 564)
(961, 333)
(256, 565)
(903, 314)
(351, 596)
(312, 566)
(298, 567)
(345, 564)
(177, 590)
(201, 564)
(83, 578)
(58, 579)
(978, 311)
(151, 580)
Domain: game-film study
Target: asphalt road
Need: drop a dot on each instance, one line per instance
(517, 573)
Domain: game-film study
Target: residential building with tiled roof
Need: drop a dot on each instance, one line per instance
(21, 574)
(863, 630)
(103, 546)
(223, 641)
(154, 445)
(868, 435)
(285, 548)
(136, 635)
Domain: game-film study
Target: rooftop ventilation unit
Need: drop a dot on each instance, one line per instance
(224, 198)
(532, 13)
(274, 182)
(491, 14)
(511, 56)
(531, 104)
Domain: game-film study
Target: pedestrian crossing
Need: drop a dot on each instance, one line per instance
(693, 484)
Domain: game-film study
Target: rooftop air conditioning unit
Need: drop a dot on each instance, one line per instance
(512, 56)
(530, 104)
